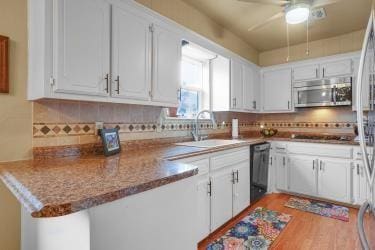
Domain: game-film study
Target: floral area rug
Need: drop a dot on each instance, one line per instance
(256, 231)
(318, 207)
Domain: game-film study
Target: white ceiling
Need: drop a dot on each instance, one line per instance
(343, 17)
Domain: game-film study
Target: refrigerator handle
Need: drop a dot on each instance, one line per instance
(360, 226)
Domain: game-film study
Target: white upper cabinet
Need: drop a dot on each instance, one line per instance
(249, 88)
(337, 68)
(277, 90)
(131, 54)
(236, 85)
(304, 73)
(166, 65)
(82, 47)
(244, 89)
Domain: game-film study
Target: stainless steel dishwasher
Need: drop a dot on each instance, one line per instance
(259, 155)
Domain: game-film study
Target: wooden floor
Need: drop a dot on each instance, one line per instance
(304, 231)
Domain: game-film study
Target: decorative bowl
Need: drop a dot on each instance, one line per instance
(268, 132)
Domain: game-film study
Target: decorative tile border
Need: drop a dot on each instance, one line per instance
(76, 129)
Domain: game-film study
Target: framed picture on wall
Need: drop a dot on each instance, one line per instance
(111, 141)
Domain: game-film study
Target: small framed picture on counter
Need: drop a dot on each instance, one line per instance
(111, 141)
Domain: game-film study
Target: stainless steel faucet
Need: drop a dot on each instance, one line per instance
(195, 132)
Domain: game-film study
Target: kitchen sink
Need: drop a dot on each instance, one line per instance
(209, 143)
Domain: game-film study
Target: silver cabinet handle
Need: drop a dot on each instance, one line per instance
(288, 104)
(313, 164)
(320, 165)
(209, 188)
(271, 160)
(316, 72)
(234, 102)
(283, 160)
(280, 148)
(357, 169)
(237, 179)
(233, 177)
(106, 83)
(118, 84)
(254, 104)
(324, 72)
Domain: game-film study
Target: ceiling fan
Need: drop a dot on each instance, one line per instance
(295, 11)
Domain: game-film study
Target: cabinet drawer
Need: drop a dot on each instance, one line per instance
(321, 150)
(229, 158)
(357, 152)
(203, 164)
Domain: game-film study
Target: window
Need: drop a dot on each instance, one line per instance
(194, 94)
(191, 91)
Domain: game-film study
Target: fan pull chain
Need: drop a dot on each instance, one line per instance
(287, 41)
(307, 37)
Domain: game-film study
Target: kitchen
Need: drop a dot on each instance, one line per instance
(73, 75)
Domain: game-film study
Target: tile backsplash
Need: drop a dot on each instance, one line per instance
(60, 122)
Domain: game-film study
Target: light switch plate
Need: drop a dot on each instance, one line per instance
(98, 126)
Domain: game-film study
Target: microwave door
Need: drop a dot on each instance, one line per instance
(314, 96)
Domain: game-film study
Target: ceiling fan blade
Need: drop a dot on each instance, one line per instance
(273, 2)
(321, 3)
(274, 17)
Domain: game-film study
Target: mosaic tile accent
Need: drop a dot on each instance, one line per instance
(66, 129)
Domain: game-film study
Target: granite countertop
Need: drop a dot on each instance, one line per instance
(56, 187)
(60, 186)
(340, 142)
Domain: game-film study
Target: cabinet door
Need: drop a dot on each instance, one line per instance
(82, 47)
(337, 68)
(236, 85)
(166, 65)
(221, 199)
(281, 171)
(277, 90)
(361, 188)
(131, 65)
(248, 88)
(203, 213)
(334, 179)
(303, 73)
(241, 188)
(302, 174)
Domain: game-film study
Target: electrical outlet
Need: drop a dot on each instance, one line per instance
(98, 126)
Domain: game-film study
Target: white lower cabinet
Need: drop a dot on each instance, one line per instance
(241, 187)
(223, 187)
(360, 186)
(303, 169)
(221, 199)
(281, 171)
(334, 179)
(302, 174)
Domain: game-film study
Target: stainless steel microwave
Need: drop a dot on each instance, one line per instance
(326, 92)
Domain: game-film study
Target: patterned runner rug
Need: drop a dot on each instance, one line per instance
(319, 207)
(256, 231)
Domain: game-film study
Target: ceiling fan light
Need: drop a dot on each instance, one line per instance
(297, 14)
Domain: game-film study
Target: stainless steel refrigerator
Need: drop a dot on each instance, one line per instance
(366, 131)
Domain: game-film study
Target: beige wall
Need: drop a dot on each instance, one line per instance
(325, 47)
(191, 18)
(15, 115)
